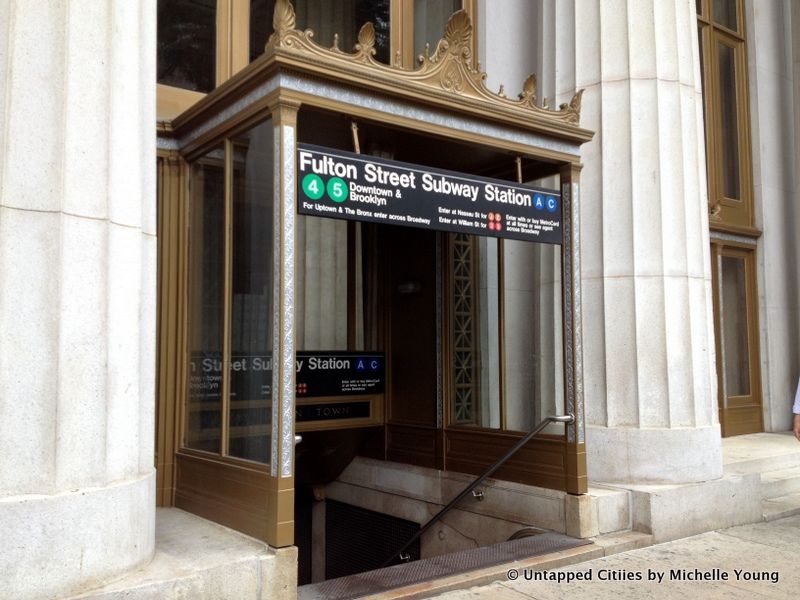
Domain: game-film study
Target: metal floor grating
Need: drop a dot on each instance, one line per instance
(380, 580)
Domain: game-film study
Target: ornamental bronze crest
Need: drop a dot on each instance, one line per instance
(450, 68)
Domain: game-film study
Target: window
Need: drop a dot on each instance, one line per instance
(186, 44)
(736, 333)
(251, 311)
(202, 43)
(327, 19)
(206, 281)
(724, 75)
(329, 292)
(430, 17)
(505, 333)
(228, 405)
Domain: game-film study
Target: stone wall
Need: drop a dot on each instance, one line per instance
(77, 292)
(773, 76)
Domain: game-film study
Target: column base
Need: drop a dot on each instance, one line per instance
(644, 456)
(66, 543)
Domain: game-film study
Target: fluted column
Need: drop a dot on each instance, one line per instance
(77, 292)
(649, 371)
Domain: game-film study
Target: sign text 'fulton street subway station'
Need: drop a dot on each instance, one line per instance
(342, 185)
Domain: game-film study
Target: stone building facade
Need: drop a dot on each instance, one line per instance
(689, 291)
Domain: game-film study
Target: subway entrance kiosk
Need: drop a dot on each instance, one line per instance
(369, 294)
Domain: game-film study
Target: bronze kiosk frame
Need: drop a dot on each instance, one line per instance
(445, 98)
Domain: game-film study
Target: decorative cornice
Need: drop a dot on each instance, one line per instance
(164, 129)
(451, 68)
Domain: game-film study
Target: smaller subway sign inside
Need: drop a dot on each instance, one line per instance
(343, 185)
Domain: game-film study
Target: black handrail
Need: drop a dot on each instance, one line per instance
(496, 465)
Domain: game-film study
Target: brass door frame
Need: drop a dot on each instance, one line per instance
(743, 414)
(172, 202)
(731, 215)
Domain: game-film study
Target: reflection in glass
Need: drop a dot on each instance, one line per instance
(489, 347)
(321, 302)
(206, 287)
(729, 122)
(187, 44)
(733, 316)
(260, 26)
(430, 18)
(251, 301)
(325, 18)
(725, 13)
(700, 28)
(533, 335)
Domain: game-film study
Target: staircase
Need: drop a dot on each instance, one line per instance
(780, 493)
(776, 458)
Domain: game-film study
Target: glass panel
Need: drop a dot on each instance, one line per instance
(489, 347)
(733, 317)
(260, 26)
(321, 297)
(474, 325)
(377, 12)
(187, 33)
(701, 45)
(325, 18)
(725, 13)
(729, 122)
(534, 376)
(251, 288)
(206, 288)
(430, 18)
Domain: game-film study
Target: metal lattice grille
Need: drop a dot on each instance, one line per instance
(463, 310)
(358, 540)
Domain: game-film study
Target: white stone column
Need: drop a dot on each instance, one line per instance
(649, 365)
(773, 69)
(77, 292)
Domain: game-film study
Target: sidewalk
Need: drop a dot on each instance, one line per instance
(761, 560)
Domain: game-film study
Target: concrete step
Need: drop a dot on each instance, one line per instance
(623, 541)
(195, 558)
(760, 453)
(788, 460)
(780, 483)
(612, 507)
(780, 507)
